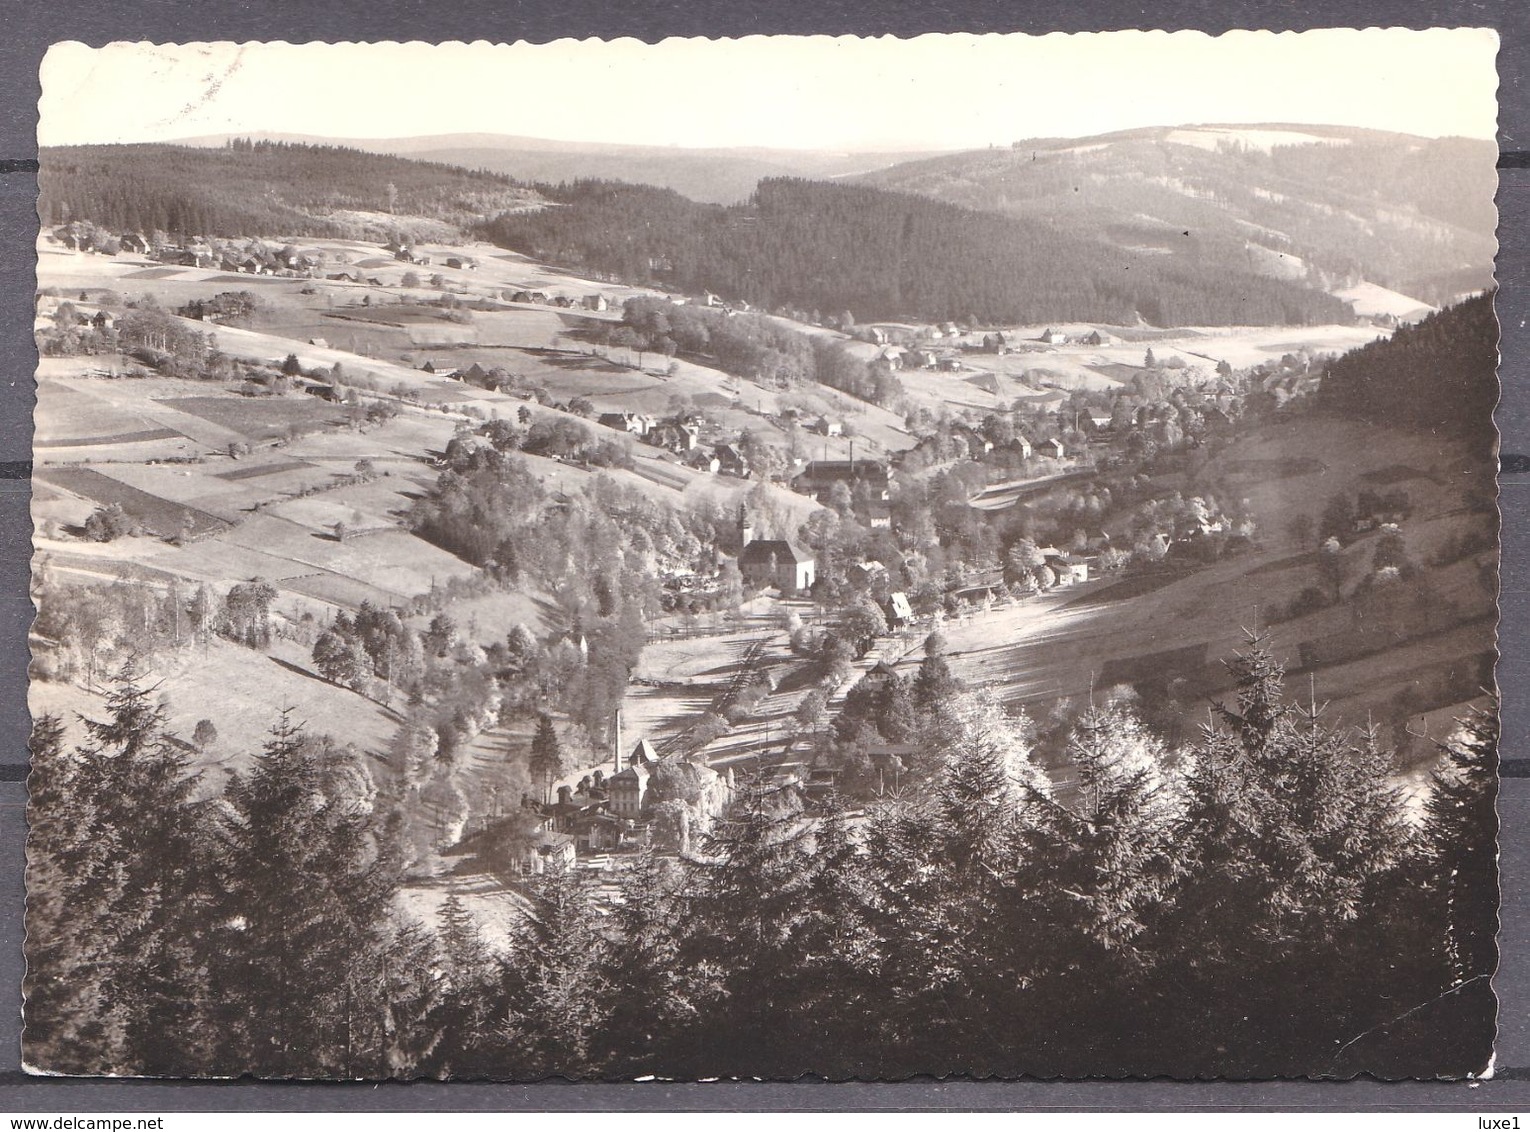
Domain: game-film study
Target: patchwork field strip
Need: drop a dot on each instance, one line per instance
(159, 515)
(141, 436)
(258, 470)
(259, 420)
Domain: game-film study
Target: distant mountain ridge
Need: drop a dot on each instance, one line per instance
(1325, 206)
(267, 187)
(809, 246)
(711, 176)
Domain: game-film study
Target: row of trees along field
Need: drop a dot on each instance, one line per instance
(1256, 904)
(1447, 361)
(814, 245)
(256, 188)
(750, 345)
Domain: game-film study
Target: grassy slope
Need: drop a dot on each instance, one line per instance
(1059, 645)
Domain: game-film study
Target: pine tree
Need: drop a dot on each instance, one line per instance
(128, 870)
(1294, 852)
(546, 754)
(748, 887)
(51, 987)
(836, 986)
(1461, 842)
(299, 959)
(656, 1001)
(934, 684)
(554, 986)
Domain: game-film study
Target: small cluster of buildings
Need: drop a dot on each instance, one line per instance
(1051, 337)
(891, 359)
(251, 258)
(680, 434)
(403, 253)
(595, 302)
(869, 482)
(610, 812)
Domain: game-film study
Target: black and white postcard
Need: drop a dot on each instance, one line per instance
(863, 558)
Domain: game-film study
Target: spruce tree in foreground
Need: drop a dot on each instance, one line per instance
(131, 894)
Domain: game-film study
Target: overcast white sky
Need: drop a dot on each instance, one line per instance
(932, 92)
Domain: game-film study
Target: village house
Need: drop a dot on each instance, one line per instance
(818, 477)
(867, 572)
(597, 830)
(1069, 569)
(777, 562)
(880, 674)
(626, 422)
(977, 443)
(899, 612)
(825, 427)
(676, 435)
(1053, 448)
(702, 460)
(1095, 338)
(135, 242)
(731, 461)
(1193, 527)
(547, 852)
(596, 303)
(627, 789)
(319, 389)
(889, 358)
(891, 761)
(1053, 337)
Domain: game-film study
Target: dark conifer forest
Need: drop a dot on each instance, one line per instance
(272, 189)
(818, 246)
(1449, 358)
(1265, 910)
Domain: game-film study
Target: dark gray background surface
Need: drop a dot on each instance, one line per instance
(30, 26)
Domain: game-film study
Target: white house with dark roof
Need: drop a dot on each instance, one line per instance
(777, 562)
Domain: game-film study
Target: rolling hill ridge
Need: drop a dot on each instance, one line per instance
(714, 176)
(1325, 207)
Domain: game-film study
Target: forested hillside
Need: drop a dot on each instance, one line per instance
(1440, 374)
(257, 189)
(1324, 205)
(1259, 908)
(815, 245)
(1413, 214)
(722, 176)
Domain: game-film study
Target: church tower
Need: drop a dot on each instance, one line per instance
(745, 528)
